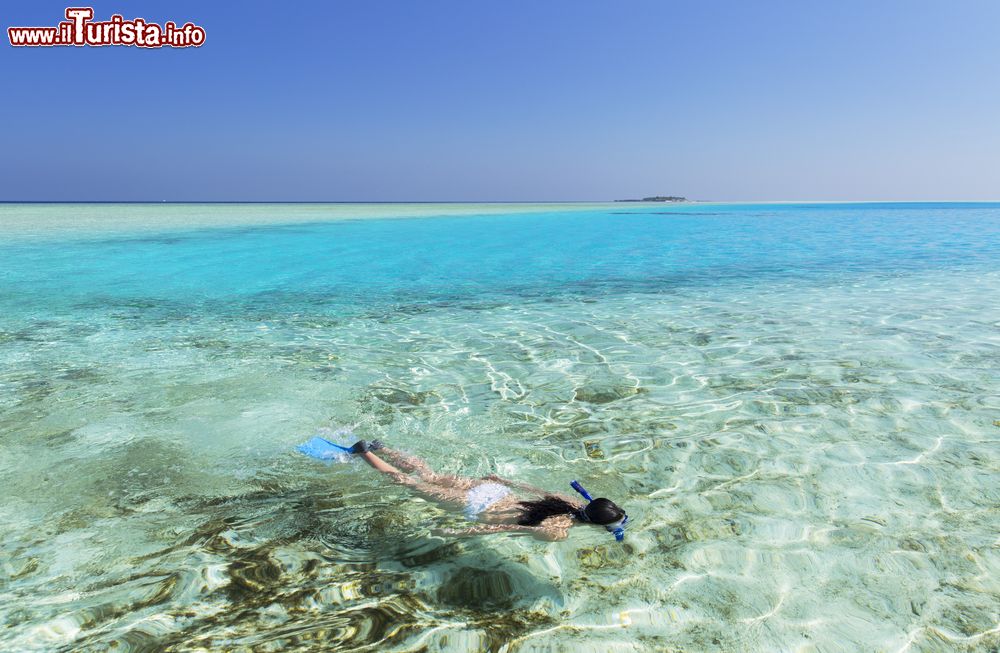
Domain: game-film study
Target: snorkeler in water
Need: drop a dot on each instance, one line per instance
(491, 499)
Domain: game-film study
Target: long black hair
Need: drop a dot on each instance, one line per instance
(534, 513)
(599, 511)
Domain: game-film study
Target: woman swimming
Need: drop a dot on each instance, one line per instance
(491, 499)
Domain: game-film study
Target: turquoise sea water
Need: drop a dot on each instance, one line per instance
(798, 405)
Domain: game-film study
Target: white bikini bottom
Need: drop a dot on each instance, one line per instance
(482, 497)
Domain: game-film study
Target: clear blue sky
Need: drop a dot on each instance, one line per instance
(514, 100)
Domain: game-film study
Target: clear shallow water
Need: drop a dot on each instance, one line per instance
(798, 406)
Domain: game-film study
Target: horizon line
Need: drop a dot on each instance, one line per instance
(618, 201)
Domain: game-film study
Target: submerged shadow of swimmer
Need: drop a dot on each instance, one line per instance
(491, 499)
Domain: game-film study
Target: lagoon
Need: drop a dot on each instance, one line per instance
(798, 405)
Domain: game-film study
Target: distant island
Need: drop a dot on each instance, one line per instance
(658, 198)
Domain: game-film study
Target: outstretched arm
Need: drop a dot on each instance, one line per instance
(539, 532)
(527, 488)
(516, 484)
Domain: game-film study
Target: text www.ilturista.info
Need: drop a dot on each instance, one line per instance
(78, 29)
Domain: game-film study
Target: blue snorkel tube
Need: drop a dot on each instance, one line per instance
(579, 488)
(619, 530)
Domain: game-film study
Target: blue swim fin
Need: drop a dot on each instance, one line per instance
(324, 450)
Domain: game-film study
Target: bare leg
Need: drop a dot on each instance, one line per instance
(415, 465)
(427, 487)
(408, 463)
(380, 464)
